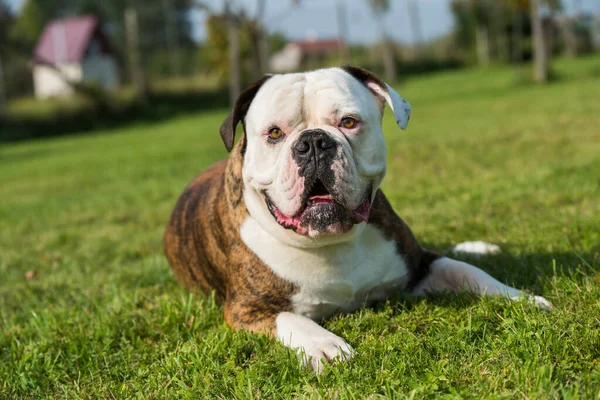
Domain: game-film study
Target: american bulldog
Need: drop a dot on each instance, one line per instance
(293, 227)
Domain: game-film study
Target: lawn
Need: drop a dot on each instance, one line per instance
(90, 309)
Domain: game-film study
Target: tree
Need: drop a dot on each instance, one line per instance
(415, 23)
(5, 20)
(520, 11)
(29, 24)
(482, 27)
(138, 75)
(233, 43)
(464, 25)
(342, 32)
(540, 51)
(481, 11)
(380, 8)
(261, 41)
(500, 30)
(215, 51)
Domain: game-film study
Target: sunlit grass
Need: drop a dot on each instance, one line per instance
(487, 157)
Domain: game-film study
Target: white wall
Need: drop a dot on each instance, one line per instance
(49, 83)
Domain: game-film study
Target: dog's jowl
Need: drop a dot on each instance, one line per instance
(293, 227)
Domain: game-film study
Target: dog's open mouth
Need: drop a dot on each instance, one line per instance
(321, 213)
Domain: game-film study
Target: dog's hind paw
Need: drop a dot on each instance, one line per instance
(539, 301)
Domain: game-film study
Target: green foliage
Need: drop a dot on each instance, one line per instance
(14, 54)
(464, 24)
(29, 24)
(498, 18)
(215, 52)
(379, 6)
(277, 42)
(485, 157)
(6, 20)
(216, 45)
(159, 62)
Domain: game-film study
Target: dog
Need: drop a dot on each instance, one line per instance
(293, 227)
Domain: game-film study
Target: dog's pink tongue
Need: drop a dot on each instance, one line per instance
(361, 213)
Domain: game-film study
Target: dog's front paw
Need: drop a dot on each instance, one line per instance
(315, 344)
(539, 301)
(327, 350)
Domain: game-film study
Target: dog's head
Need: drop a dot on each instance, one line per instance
(314, 151)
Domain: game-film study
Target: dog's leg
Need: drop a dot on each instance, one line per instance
(446, 274)
(312, 341)
(257, 300)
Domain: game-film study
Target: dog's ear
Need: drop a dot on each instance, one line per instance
(400, 107)
(240, 108)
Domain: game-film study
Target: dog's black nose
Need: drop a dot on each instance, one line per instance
(314, 144)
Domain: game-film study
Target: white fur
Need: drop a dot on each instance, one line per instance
(332, 279)
(479, 248)
(400, 107)
(313, 341)
(451, 275)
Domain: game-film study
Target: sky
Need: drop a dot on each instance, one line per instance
(318, 19)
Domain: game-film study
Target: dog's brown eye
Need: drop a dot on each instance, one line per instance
(349, 123)
(275, 133)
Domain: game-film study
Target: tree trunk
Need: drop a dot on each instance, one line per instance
(540, 65)
(548, 29)
(483, 44)
(517, 38)
(482, 30)
(342, 32)
(387, 50)
(255, 61)
(3, 101)
(172, 39)
(389, 61)
(135, 63)
(569, 37)
(500, 34)
(233, 37)
(262, 39)
(263, 50)
(415, 25)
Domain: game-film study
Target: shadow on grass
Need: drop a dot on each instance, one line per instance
(161, 106)
(526, 271)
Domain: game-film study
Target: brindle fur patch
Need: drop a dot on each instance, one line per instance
(204, 247)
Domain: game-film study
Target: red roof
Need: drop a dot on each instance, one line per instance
(309, 46)
(65, 40)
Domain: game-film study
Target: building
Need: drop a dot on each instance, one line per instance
(297, 54)
(75, 50)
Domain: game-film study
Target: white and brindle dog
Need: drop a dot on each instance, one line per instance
(293, 227)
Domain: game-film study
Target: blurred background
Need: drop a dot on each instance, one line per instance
(77, 65)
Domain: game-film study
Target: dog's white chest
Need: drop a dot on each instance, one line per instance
(336, 278)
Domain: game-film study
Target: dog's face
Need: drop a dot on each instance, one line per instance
(315, 153)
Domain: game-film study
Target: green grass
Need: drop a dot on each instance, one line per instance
(486, 157)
